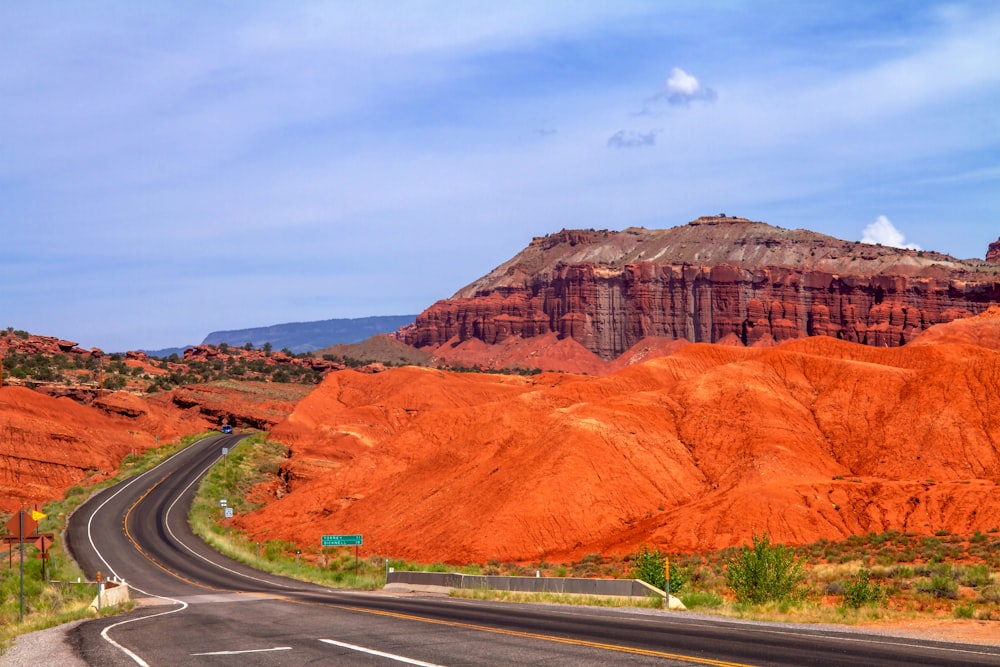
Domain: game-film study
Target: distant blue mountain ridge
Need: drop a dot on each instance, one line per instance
(303, 336)
(308, 336)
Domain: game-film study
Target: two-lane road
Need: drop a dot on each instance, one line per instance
(201, 608)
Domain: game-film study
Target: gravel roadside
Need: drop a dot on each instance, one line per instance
(43, 647)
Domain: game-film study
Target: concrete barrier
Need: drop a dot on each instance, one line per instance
(447, 581)
(112, 594)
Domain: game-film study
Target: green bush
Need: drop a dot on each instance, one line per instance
(975, 576)
(861, 591)
(940, 586)
(965, 611)
(764, 573)
(648, 565)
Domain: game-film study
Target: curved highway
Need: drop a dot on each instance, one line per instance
(198, 607)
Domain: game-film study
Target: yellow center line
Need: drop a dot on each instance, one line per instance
(453, 624)
(147, 556)
(550, 638)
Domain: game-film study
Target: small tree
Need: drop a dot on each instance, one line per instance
(764, 573)
(648, 566)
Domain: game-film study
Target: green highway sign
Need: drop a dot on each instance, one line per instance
(341, 540)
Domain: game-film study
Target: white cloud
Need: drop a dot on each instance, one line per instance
(681, 89)
(884, 232)
(628, 139)
(681, 83)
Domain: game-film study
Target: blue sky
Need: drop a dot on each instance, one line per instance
(170, 169)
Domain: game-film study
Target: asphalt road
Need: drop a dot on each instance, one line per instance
(200, 608)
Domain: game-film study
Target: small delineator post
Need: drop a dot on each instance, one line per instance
(666, 571)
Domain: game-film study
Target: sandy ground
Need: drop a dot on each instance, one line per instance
(944, 629)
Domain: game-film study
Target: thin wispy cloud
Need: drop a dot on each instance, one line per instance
(883, 232)
(628, 139)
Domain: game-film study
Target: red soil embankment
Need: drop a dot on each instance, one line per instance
(49, 444)
(815, 438)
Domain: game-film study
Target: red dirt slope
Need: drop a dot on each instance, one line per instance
(49, 444)
(698, 450)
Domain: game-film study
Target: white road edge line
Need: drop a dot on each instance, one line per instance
(380, 654)
(183, 605)
(166, 521)
(139, 661)
(253, 650)
(90, 538)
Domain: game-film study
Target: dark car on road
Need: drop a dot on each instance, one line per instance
(227, 429)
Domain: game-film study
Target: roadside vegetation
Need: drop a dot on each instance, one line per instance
(876, 577)
(62, 594)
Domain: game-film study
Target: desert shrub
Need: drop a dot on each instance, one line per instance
(940, 586)
(862, 591)
(114, 382)
(649, 566)
(965, 611)
(764, 572)
(990, 594)
(834, 588)
(975, 576)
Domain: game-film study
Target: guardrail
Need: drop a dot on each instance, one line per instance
(559, 585)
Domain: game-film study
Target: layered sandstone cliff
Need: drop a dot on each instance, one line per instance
(713, 279)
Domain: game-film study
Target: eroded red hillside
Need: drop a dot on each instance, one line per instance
(50, 444)
(697, 450)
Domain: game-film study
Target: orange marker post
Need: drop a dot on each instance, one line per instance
(666, 571)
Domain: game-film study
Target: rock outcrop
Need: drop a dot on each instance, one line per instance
(714, 279)
(993, 253)
(25, 343)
